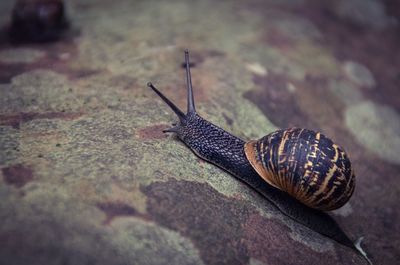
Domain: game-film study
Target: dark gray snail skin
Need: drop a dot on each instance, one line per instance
(226, 151)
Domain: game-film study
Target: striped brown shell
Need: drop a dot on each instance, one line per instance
(305, 164)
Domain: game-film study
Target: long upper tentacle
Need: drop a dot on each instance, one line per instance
(177, 111)
(190, 98)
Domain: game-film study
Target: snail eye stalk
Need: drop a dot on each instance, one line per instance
(178, 112)
(190, 98)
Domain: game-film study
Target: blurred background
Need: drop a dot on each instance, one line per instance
(87, 176)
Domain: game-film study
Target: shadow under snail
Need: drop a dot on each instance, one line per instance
(301, 172)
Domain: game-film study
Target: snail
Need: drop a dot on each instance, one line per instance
(301, 172)
(38, 20)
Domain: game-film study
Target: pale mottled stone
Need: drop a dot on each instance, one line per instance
(345, 91)
(255, 262)
(291, 87)
(370, 13)
(376, 127)
(359, 74)
(20, 55)
(39, 89)
(257, 69)
(142, 242)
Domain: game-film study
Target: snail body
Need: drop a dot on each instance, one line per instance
(299, 171)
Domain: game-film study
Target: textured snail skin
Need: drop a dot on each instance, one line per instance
(227, 151)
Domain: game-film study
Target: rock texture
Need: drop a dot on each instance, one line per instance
(87, 177)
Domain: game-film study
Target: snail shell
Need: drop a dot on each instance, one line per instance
(38, 20)
(305, 164)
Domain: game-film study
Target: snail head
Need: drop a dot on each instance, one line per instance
(191, 111)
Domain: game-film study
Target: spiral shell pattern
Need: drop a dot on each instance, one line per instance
(305, 164)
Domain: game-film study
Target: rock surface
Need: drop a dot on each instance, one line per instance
(87, 177)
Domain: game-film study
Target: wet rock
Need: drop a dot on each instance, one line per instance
(84, 162)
